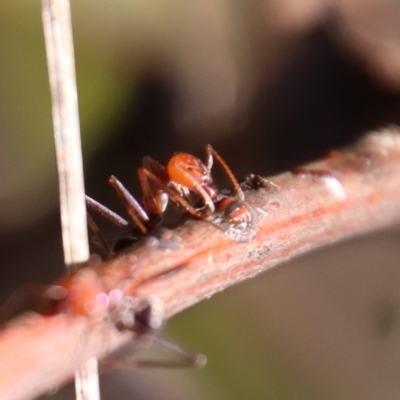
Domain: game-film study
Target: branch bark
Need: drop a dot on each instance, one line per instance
(350, 192)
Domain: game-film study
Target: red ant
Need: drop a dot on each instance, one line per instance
(185, 175)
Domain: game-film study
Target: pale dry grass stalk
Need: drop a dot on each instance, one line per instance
(60, 57)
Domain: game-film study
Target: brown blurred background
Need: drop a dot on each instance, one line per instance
(271, 84)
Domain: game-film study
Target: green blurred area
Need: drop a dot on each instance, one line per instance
(158, 76)
(27, 151)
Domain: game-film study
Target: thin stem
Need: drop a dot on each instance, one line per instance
(60, 57)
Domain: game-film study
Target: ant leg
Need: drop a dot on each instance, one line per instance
(101, 240)
(133, 208)
(236, 187)
(186, 357)
(107, 213)
(195, 186)
(173, 196)
(111, 216)
(154, 201)
(147, 319)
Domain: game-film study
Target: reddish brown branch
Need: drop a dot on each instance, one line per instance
(348, 193)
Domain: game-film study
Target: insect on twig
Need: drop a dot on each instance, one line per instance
(83, 293)
(187, 183)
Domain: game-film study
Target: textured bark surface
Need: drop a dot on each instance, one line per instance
(350, 192)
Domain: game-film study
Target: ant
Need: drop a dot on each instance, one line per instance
(184, 176)
(83, 293)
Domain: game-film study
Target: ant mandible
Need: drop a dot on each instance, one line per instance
(183, 176)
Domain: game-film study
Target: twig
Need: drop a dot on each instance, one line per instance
(348, 193)
(60, 56)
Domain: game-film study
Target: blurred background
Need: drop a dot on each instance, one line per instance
(270, 84)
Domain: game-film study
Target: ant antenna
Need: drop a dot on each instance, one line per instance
(101, 240)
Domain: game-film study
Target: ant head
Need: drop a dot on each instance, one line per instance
(187, 170)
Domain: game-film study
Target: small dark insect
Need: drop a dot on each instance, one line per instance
(255, 182)
(187, 183)
(83, 294)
